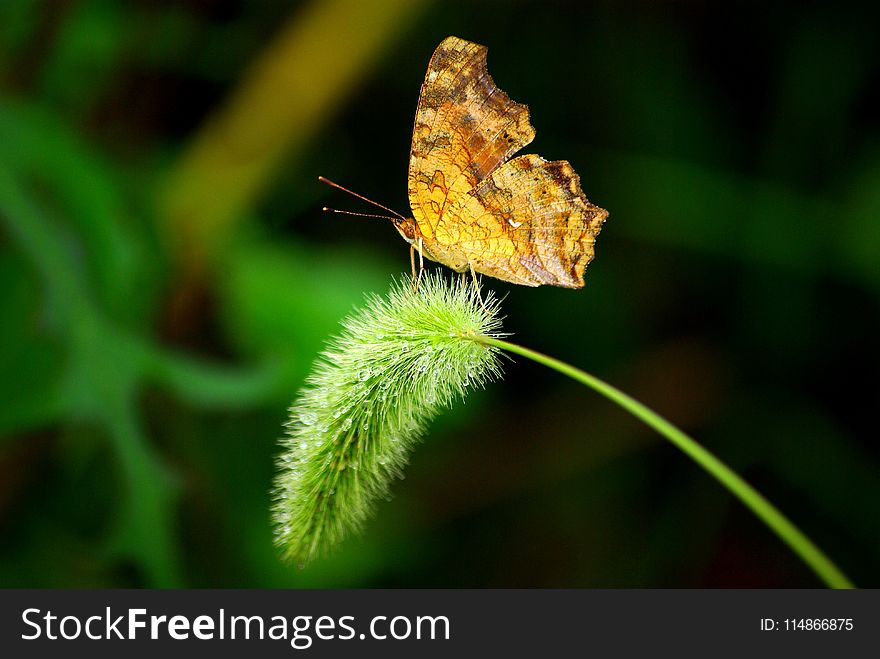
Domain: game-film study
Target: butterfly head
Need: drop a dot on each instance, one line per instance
(406, 227)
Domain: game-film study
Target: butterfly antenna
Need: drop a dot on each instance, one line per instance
(336, 210)
(355, 194)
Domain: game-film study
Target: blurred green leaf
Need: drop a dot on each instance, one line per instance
(30, 360)
(87, 47)
(284, 300)
(78, 183)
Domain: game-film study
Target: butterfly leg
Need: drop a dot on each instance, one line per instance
(421, 263)
(416, 279)
(412, 263)
(477, 288)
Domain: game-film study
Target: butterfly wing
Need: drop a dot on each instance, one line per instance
(532, 224)
(525, 220)
(464, 128)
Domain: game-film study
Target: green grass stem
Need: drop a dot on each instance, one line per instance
(783, 527)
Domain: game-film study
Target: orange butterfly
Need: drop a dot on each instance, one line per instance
(524, 220)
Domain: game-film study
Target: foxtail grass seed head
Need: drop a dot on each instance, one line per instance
(398, 362)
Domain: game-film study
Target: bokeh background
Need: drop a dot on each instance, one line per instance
(167, 277)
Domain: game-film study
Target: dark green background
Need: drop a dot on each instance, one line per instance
(735, 290)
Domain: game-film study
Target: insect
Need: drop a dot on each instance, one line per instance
(523, 220)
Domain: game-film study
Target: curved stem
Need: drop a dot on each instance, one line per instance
(814, 557)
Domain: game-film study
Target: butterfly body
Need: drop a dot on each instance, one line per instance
(524, 220)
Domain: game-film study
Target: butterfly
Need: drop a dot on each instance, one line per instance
(523, 220)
